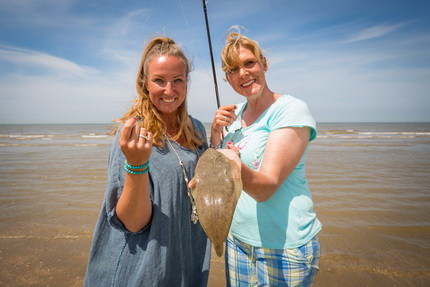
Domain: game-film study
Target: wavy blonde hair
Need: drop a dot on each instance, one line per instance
(144, 109)
(230, 52)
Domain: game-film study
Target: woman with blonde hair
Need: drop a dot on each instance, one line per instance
(273, 238)
(147, 233)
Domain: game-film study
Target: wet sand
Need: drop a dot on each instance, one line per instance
(376, 270)
(370, 185)
(61, 261)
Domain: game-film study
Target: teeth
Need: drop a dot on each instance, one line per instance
(247, 84)
(168, 100)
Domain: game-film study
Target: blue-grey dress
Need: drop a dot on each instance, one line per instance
(171, 250)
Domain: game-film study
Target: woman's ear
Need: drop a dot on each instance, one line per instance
(226, 78)
(265, 66)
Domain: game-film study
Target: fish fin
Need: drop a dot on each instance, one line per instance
(192, 183)
(219, 248)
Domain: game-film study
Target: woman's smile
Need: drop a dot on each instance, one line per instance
(247, 84)
(167, 100)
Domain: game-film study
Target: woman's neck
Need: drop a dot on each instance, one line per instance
(256, 106)
(172, 125)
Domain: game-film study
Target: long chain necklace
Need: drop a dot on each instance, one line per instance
(194, 215)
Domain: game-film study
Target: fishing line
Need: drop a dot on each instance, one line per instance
(149, 14)
(211, 53)
(196, 52)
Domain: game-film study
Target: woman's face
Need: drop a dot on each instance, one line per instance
(167, 83)
(248, 79)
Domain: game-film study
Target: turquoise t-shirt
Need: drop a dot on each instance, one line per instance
(287, 219)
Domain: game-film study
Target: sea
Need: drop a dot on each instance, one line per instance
(370, 184)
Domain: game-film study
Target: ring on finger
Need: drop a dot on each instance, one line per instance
(142, 136)
(225, 119)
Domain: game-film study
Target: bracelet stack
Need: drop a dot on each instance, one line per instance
(131, 169)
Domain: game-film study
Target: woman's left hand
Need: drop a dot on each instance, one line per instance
(232, 152)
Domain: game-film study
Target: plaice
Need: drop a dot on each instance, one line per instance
(216, 189)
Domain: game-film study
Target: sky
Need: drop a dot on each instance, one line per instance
(75, 61)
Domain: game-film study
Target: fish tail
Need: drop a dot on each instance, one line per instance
(219, 249)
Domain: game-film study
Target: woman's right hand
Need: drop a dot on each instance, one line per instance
(224, 117)
(134, 207)
(135, 143)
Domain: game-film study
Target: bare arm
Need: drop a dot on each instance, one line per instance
(284, 150)
(134, 207)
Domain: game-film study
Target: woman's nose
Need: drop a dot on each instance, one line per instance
(243, 71)
(168, 90)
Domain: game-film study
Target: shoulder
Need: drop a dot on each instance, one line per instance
(288, 101)
(291, 107)
(289, 111)
(197, 124)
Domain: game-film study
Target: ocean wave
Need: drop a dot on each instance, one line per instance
(51, 144)
(52, 136)
(396, 133)
(94, 136)
(373, 133)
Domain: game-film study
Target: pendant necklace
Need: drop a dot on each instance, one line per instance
(194, 215)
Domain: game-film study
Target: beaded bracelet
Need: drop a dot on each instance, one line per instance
(136, 172)
(135, 167)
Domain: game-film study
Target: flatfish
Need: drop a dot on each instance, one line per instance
(216, 188)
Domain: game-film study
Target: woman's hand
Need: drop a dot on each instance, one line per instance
(232, 153)
(135, 143)
(134, 207)
(224, 117)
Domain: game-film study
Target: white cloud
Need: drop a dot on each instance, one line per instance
(374, 32)
(100, 48)
(50, 99)
(43, 62)
(46, 88)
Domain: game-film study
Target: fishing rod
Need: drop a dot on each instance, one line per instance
(211, 53)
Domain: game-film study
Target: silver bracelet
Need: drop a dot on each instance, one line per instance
(215, 146)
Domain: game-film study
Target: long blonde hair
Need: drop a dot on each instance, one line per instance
(230, 52)
(144, 109)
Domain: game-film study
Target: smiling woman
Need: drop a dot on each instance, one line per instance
(273, 237)
(147, 214)
(167, 85)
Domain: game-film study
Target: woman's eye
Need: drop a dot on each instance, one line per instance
(234, 70)
(249, 64)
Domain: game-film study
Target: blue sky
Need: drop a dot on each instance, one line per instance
(74, 61)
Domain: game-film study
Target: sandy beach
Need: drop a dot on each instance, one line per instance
(370, 185)
(62, 262)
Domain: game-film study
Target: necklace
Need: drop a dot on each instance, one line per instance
(194, 215)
